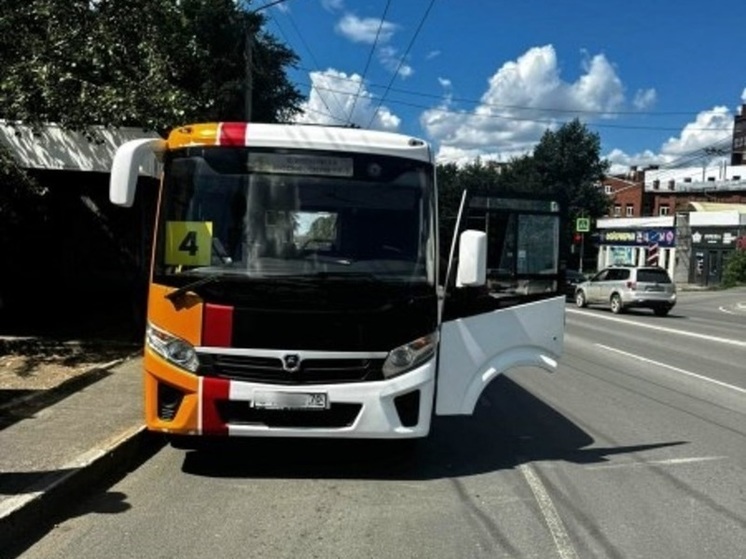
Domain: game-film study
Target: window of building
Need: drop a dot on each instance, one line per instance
(629, 210)
(617, 210)
(664, 209)
(608, 189)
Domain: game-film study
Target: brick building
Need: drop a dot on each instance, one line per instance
(688, 220)
(626, 192)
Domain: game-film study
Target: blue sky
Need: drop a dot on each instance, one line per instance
(656, 79)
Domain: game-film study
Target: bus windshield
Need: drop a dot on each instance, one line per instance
(264, 213)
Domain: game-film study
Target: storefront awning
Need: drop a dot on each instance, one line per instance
(54, 148)
(717, 207)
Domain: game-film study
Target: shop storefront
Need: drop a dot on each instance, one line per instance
(651, 243)
(711, 247)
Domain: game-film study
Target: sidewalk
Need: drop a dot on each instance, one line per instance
(51, 455)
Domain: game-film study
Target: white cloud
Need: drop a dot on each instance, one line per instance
(743, 95)
(365, 30)
(708, 128)
(432, 54)
(371, 31)
(644, 99)
(390, 61)
(513, 112)
(621, 161)
(336, 94)
(332, 5)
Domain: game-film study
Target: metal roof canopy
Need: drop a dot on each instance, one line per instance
(55, 148)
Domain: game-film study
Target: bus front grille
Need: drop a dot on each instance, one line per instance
(270, 370)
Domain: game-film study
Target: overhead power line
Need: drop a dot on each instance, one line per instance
(313, 59)
(401, 61)
(521, 107)
(519, 118)
(367, 62)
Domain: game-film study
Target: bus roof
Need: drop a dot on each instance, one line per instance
(299, 136)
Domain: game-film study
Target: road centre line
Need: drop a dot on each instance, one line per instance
(549, 512)
(658, 328)
(672, 368)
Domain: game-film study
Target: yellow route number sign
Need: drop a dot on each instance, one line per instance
(188, 243)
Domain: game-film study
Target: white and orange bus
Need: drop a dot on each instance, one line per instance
(295, 285)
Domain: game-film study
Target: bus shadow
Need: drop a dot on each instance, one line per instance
(510, 427)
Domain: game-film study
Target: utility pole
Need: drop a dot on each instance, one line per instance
(248, 59)
(249, 33)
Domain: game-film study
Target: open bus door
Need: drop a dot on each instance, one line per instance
(514, 315)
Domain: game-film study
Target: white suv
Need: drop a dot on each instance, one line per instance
(623, 287)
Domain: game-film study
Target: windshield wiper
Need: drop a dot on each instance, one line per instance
(177, 293)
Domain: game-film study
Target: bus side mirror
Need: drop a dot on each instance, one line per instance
(472, 259)
(126, 168)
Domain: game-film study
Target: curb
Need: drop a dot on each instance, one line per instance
(25, 516)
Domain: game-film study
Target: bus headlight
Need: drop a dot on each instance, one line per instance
(408, 356)
(172, 349)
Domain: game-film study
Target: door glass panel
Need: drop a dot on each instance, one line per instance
(524, 260)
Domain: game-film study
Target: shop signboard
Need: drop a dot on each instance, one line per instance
(663, 237)
(715, 237)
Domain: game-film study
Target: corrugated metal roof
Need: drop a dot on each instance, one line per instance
(58, 149)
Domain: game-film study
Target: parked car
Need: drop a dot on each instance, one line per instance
(573, 278)
(623, 287)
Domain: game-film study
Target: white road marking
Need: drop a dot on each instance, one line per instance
(672, 368)
(739, 307)
(551, 517)
(668, 462)
(658, 328)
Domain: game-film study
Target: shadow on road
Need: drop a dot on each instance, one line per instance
(510, 427)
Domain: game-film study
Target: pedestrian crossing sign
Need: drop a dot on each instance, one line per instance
(583, 224)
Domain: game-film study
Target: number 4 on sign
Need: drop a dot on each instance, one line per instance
(188, 243)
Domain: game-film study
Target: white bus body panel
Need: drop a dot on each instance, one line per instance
(378, 418)
(476, 349)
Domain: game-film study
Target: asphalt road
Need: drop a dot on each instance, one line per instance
(636, 447)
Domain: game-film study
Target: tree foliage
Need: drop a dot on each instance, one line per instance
(566, 164)
(734, 272)
(148, 63)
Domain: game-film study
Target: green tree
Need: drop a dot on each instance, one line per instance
(569, 161)
(148, 63)
(322, 229)
(566, 163)
(734, 272)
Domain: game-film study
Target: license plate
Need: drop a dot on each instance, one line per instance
(654, 288)
(273, 400)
